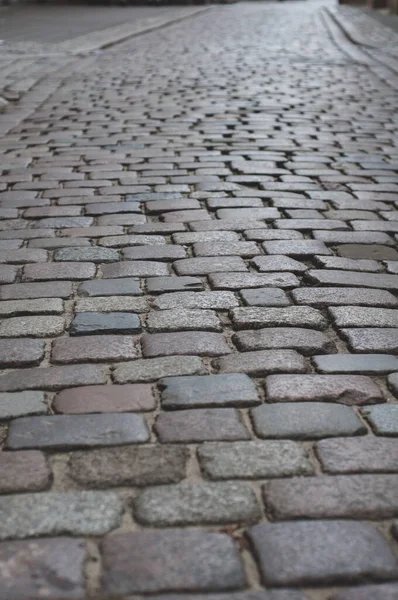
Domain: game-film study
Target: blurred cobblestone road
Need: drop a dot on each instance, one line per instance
(198, 252)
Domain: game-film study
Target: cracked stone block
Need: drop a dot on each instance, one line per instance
(345, 389)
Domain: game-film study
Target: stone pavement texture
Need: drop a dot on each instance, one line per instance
(199, 314)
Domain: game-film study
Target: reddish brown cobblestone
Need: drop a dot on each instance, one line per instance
(198, 305)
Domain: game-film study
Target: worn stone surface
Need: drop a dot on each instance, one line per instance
(354, 496)
(306, 341)
(74, 513)
(214, 390)
(22, 404)
(330, 551)
(195, 504)
(384, 591)
(354, 363)
(185, 560)
(383, 419)
(369, 454)
(305, 420)
(21, 352)
(186, 217)
(128, 466)
(24, 471)
(189, 342)
(251, 460)
(201, 425)
(105, 399)
(49, 568)
(91, 323)
(76, 431)
(345, 389)
(182, 319)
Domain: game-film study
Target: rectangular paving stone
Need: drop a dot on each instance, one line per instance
(263, 362)
(278, 263)
(55, 271)
(372, 339)
(173, 284)
(74, 513)
(163, 253)
(255, 214)
(150, 369)
(105, 304)
(128, 466)
(348, 264)
(238, 281)
(256, 595)
(344, 389)
(354, 363)
(225, 248)
(265, 297)
(197, 504)
(77, 431)
(191, 237)
(10, 308)
(353, 237)
(331, 552)
(201, 425)
(383, 419)
(326, 296)
(253, 460)
(296, 247)
(305, 420)
(91, 254)
(41, 326)
(295, 316)
(131, 240)
(342, 496)
(127, 286)
(177, 560)
(204, 266)
(21, 352)
(24, 471)
(8, 273)
(183, 319)
(194, 300)
(105, 399)
(350, 316)
(90, 323)
(186, 342)
(22, 256)
(235, 389)
(21, 291)
(306, 341)
(40, 568)
(53, 378)
(343, 278)
(95, 348)
(134, 268)
(22, 404)
(226, 225)
(369, 454)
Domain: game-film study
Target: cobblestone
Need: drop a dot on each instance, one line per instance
(75, 513)
(208, 211)
(340, 551)
(359, 496)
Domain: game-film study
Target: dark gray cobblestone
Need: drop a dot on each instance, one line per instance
(198, 248)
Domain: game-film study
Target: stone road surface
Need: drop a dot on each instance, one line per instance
(198, 248)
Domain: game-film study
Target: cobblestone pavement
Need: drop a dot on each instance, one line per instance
(198, 248)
